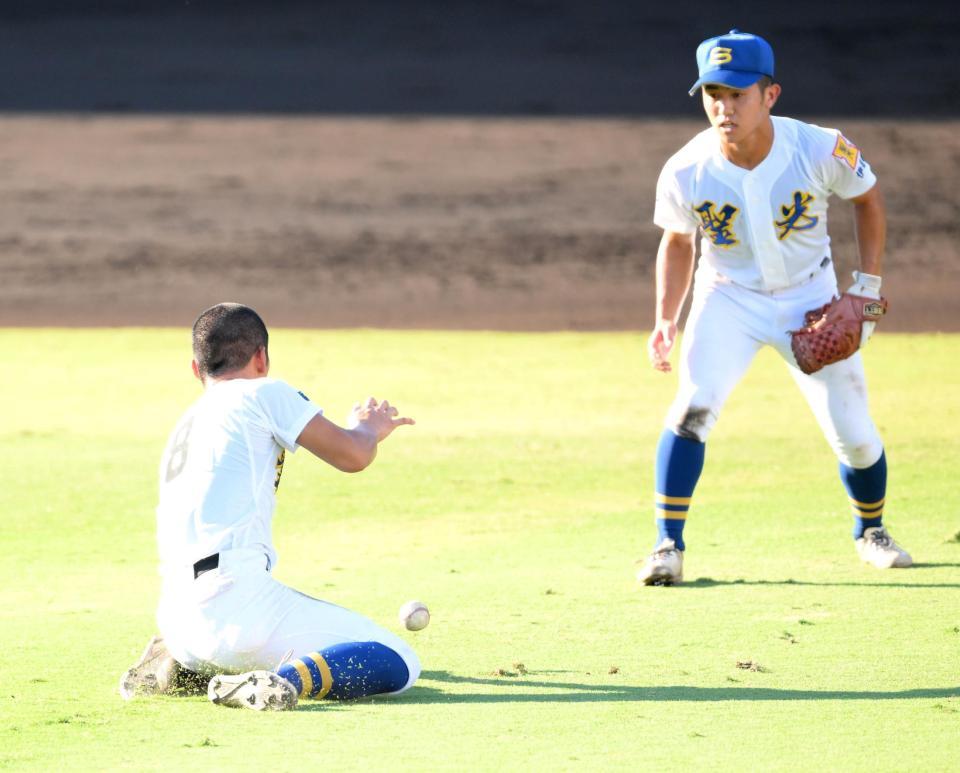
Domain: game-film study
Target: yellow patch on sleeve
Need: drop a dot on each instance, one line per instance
(846, 151)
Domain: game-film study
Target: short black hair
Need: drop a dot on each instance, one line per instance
(225, 337)
(765, 82)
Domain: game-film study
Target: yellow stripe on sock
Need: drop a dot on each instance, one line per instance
(305, 678)
(867, 505)
(326, 683)
(665, 500)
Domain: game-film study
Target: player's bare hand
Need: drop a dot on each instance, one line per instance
(660, 344)
(379, 418)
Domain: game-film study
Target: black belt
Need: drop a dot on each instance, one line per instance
(205, 565)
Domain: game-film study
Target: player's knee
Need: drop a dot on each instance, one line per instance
(691, 422)
(859, 455)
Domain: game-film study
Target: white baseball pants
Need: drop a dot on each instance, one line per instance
(727, 326)
(237, 618)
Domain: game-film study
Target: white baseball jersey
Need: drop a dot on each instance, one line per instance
(218, 481)
(221, 468)
(764, 228)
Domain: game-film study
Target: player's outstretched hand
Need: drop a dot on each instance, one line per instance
(377, 418)
(660, 344)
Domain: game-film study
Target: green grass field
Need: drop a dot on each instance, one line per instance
(515, 509)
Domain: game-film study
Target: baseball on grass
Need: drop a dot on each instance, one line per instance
(414, 615)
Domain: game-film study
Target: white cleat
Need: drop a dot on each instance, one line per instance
(154, 674)
(877, 547)
(257, 690)
(664, 566)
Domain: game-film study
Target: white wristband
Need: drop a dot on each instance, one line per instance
(867, 285)
(867, 281)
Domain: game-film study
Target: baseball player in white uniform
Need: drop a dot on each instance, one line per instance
(221, 612)
(755, 187)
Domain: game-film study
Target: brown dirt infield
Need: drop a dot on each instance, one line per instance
(525, 224)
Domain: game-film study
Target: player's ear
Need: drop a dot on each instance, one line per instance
(262, 361)
(196, 370)
(771, 94)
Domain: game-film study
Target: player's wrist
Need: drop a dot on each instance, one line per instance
(867, 285)
(364, 434)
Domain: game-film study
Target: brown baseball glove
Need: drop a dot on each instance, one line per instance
(832, 333)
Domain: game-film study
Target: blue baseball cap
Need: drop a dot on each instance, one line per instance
(737, 59)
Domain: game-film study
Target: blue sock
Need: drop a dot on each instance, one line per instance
(679, 464)
(867, 489)
(345, 671)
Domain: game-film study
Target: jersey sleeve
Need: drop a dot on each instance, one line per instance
(287, 412)
(672, 211)
(845, 171)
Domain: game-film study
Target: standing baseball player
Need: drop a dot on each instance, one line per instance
(756, 186)
(221, 612)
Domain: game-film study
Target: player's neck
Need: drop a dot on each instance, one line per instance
(209, 381)
(250, 371)
(749, 152)
(258, 366)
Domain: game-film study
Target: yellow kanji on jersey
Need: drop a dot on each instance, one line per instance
(846, 151)
(718, 226)
(795, 215)
(279, 468)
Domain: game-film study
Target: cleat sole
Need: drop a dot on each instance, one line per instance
(257, 690)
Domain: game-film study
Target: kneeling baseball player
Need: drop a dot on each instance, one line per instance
(221, 612)
(756, 189)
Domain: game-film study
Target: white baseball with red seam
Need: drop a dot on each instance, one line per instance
(414, 615)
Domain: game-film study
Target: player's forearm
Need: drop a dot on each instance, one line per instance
(349, 450)
(870, 222)
(363, 450)
(674, 273)
(352, 451)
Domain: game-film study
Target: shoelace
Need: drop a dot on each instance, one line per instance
(283, 661)
(881, 539)
(665, 553)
